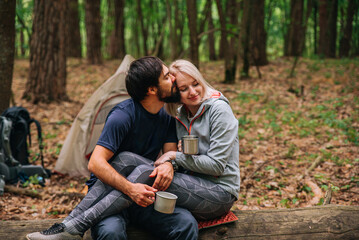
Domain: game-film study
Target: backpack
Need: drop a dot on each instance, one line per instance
(14, 163)
(17, 138)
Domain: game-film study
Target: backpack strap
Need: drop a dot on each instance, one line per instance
(39, 137)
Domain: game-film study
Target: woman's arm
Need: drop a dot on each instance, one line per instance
(224, 131)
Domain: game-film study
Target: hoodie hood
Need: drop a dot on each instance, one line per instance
(206, 104)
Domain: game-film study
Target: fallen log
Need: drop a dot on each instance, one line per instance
(22, 191)
(324, 222)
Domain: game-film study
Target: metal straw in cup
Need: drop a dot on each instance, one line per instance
(190, 144)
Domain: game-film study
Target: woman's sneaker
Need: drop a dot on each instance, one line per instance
(55, 232)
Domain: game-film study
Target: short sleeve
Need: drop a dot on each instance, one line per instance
(171, 133)
(115, 130)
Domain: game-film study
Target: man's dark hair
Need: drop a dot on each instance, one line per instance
(142, 74)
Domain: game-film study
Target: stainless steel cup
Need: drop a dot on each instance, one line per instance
(165, 202)
(190, 144)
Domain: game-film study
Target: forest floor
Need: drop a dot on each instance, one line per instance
(282, 133)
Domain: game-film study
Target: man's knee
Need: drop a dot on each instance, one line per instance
(186, 226)
(113, 227)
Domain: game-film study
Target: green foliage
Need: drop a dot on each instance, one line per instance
(270, 168)
(285, 202)
(23, 25)
(155, 18)
(291, 150)
(32, 180)
(306, 189)
(53, 213)
(245, 97)
(50, 135)
(244, 122)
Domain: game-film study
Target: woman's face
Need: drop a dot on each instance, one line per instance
(190, 90)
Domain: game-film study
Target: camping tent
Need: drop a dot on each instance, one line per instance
(88, 125)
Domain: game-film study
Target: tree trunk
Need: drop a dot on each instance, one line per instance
(143, 28)
(192, 25)
(292, 40)
(93, 31)
(179, 25)
(117, 42)
(258, 35)
(312, 223)
(346, 30)
(245, 36)
(173, 45)
(47, 76)
(222, 21)
(315, 26)
(223, 42)
(296, 31)
(202, 21)
(211, 39)
(22, 43)
(227, 50)
(73, 30)
(232, 53)
(157, 25)
(355, 40)
(7, 46)
(137, 37)
(328, 12)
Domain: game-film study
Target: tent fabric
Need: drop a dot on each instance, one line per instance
(88, 124)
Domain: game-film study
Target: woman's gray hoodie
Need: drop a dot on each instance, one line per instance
(217, 130)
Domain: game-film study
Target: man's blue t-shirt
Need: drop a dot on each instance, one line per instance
(129, 127)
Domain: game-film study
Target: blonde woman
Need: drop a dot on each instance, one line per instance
(209, 182)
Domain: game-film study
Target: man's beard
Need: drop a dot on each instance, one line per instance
(173, 98)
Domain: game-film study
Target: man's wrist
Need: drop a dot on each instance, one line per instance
(127, 188)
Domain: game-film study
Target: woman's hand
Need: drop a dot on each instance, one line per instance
(179, 146)
(165, 157)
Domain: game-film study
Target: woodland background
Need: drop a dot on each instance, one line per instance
(289, 69)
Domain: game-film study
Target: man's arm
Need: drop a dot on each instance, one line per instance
(141, 194)
(169, 147)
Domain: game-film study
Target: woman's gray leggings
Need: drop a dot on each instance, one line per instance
(203, 198)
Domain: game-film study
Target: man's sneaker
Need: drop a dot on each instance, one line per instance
(55, 232)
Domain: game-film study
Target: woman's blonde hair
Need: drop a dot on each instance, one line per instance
(185, 67)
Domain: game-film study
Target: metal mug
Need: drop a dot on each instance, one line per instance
(165, 202)
(190, 144)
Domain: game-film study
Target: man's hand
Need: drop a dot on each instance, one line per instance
(164, 175)
(142, 194)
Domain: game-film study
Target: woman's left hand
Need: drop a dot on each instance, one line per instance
(165, 157)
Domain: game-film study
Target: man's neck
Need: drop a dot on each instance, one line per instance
(152, 104)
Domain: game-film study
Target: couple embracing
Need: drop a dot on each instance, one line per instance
(128, 169)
